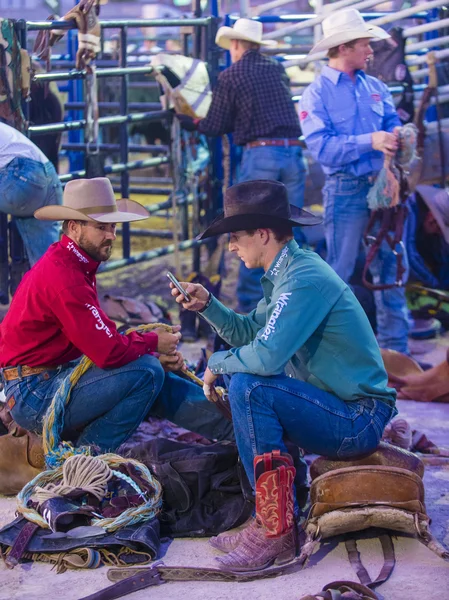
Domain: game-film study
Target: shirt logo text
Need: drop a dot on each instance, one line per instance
(100, 325)
(72, 248)
(280, 303)
(275, 269)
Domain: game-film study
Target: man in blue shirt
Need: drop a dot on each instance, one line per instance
(348, 119)
(305, 365)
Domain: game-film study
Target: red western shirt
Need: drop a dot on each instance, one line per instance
(55, 316)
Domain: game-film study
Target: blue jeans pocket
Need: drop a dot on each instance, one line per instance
(365, 442)
(32, 397)
(368, 427)
(26, 409)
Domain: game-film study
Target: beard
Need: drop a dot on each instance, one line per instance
(99, 253)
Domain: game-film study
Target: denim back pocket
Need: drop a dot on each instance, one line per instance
(25, 408)
(42, 386)
(367, 430)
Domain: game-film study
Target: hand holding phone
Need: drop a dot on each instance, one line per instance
(178, 286)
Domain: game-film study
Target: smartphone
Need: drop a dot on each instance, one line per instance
(178, 286)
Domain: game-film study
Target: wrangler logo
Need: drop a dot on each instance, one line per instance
(275, 269)
(281, 302)
(81, 258)
(100, 323)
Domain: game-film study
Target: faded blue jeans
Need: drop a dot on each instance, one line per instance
(107, 406)
(346, 216)
(25, 186)
(268, 410)
(284, 164)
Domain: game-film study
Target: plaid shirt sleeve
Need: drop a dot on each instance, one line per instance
(220, 118)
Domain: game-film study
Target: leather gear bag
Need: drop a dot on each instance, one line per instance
(21, 455)
(204, 487)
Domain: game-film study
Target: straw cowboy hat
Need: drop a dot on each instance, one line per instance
(92, 200)
(437, 201)
(255, 205)
(344, 26)
(244, 29)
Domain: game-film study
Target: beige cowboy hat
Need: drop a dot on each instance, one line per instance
(244, 29)
(344, 26)
(92, 200)
(437, 201)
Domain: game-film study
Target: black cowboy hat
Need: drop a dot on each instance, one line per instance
(257, 204)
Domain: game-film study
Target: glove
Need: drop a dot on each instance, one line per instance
(187, 123)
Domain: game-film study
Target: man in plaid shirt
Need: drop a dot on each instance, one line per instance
(252, 100)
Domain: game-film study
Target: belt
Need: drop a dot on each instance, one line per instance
(11, 373)
(283, 143)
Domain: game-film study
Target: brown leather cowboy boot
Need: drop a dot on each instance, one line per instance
(271, 537)
(21, 456)
(226, 542)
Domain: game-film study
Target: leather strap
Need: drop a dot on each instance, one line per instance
(362, 573)
(392, 220)
(11, 373)
(144, 579)
(133, 579)
(284, 143)
(21, 544)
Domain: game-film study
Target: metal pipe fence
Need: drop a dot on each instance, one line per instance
(123, 71)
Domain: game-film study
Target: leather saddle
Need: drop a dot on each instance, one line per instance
(385, 455)
(21, 455)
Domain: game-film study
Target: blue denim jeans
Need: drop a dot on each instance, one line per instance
(268, 410)
(346, 216)
(107, 406)
(285, 164)
(25, 186)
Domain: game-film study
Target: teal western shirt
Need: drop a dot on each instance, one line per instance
(309, 325)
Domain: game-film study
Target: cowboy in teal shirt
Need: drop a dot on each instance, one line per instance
(305, 365)
(309, 325)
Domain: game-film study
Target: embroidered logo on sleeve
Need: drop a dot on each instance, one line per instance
(376, 97)
(100, 324)
(81, 258)
(280, 260)
(281, 302)
(303, 115)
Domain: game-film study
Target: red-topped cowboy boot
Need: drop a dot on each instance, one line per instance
(271, 537)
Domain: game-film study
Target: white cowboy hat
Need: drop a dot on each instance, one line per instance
(244, 29)
(92, 200)
(437, 201)
(344, 26)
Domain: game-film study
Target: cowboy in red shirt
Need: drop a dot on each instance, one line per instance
(55, 318)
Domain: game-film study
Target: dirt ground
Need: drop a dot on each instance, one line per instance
(419, 574)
